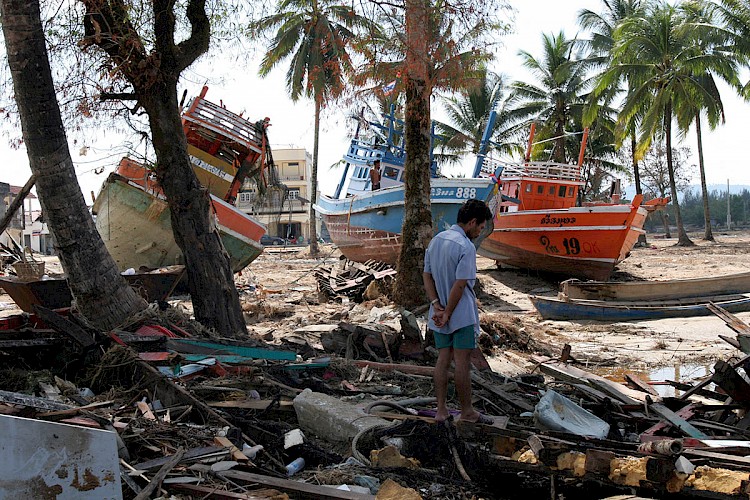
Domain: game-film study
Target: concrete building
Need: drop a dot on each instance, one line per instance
(285, 212)
(26, 227)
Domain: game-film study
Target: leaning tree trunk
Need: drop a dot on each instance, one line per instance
(314, 182)
(682, 238)
(154, 73)
(416, 230)
(212, 290)
(101, 294)
(708, 234)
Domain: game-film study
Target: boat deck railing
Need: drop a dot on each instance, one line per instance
(223, 122)
(545, 170)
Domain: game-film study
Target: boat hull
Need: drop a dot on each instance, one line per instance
(368, 226)
(606, 311)
(656, 290)
(137, 230)
(585, 242)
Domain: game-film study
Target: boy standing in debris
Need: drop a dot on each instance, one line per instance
(450, 269)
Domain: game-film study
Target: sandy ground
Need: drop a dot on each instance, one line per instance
(280, 300)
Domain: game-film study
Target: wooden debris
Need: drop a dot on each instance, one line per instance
(352, 278)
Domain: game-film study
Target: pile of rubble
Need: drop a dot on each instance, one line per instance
(345, 410)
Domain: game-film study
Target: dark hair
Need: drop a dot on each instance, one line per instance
(473, 209)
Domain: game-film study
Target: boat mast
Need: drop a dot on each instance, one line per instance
(484, 145)
(527, 157)
(583, 146)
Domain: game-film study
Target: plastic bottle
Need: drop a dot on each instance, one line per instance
(296, 466)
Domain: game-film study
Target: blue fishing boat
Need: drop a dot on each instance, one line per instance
(365, 223)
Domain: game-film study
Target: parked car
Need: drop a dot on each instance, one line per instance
(267, 240)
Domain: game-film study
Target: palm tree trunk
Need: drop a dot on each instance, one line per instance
(559, 155)
(637, 176)
(636, 169)
(682, 238)
(708, 234)
(314, 182)
(101, 294)
(416, 231)
(215, 299)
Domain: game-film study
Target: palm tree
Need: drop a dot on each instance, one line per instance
(559, 94)
(660, 58)
(602, 26)
(430, 50)
(317, 35)
(469, 112)
(723, 64)
(102, 295)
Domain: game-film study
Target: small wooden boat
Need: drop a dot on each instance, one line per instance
(136, 226)
(580, 309)
(53, 293)
(656, 290)
(538, 225)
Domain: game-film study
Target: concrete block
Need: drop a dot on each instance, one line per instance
(330, 418)
(52, 460)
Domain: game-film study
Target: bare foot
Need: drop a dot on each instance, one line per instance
(476, 418)
(442, 416)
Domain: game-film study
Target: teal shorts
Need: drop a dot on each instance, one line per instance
(463, 338)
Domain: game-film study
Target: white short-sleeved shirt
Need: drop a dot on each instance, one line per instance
(451, 256)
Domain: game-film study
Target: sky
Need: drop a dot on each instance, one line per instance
(241, 90)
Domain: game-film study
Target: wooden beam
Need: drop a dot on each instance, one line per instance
(190, 455)
(577, 376)
(703, 383)
(731, 382)
(64, 326)
(145, 493)
(637, 383)
(506, 397)
(300, 490)
(686, 412)
(676, 421)
(214, 493)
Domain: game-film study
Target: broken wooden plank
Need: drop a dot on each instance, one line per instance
(685, 413)
(64, 326)
(732, 321)
(237, 454)
(18, 344)
(189, 456)
(300, 490)
(213, 493)
(703, 383)
(16, 398)
(612, 389)
(639, 384)
(145, 494)
(205, 347)
(146, 410)
(731, 382)
(676, 421)
(506, 397)
(252, 404)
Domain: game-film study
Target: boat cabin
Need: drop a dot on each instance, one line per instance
(539, 186)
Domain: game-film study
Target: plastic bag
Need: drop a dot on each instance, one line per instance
(555, 412)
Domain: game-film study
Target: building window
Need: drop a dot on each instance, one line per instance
(571, 190)
(293, 194)
(245, 197)
(561, 192)
(540, 189)
(552, 190)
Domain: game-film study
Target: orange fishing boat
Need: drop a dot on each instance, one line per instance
(538, 225)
